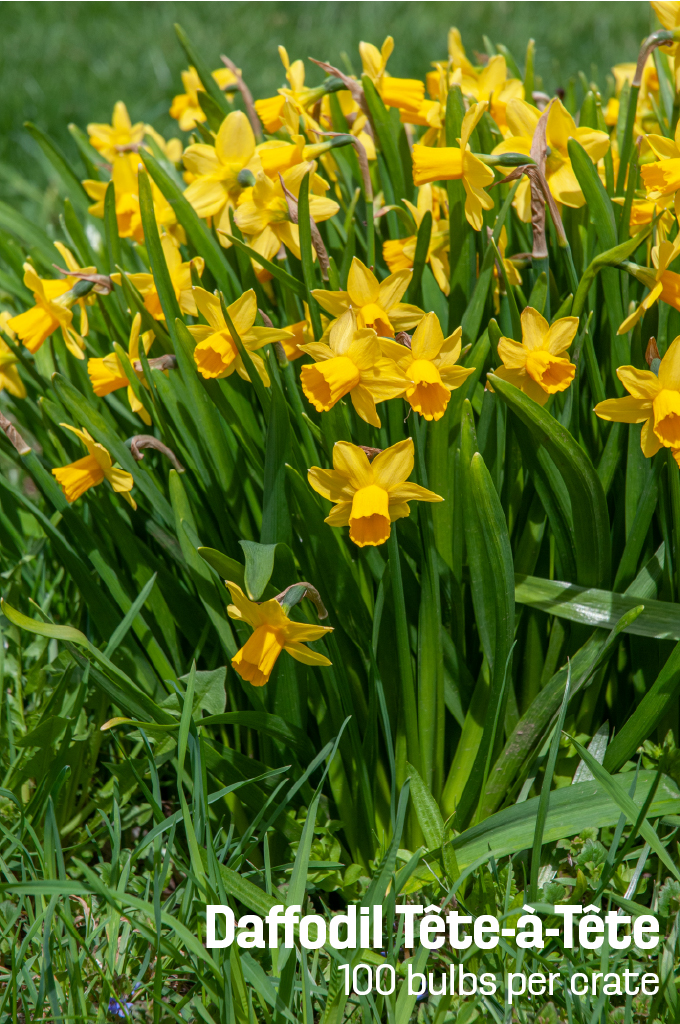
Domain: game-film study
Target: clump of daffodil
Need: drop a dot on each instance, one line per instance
(446, 163)
(399, 253)
(216, 354)
(185, 107)
(106, 373)
(536, 366)
(352, 363)
(180, 278)
(54, 302)
(96, 466)
(664, 284)
(124, 175)
(430, 365)
(369, 496)
(273, 632)
(522, 119)
(653, 399)
(376, 304)
(264, 216)
(9, 375)
(406, 94)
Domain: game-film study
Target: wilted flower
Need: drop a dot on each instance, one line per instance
(273, 632)
(369, 496)
(535, 366)
(351, 364)
(97, 465)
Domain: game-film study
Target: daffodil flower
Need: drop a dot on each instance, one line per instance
(107, 138)
(106, 373)
(406, 94)
(54, 302)
(536, 366)
(186, 108)
(302, 334)
(522, 119)
(124, 175)
(351, 364)
(263, 215)
(377, 304)
(662, 178)
(180, 278)
(221, 172)
(9, 375)
(663, 284)
(216, 354)
(446, 163)
(273, 632)
(399, 253)
(430, 365)
(652, 400)
(97, 465)
(369, 496)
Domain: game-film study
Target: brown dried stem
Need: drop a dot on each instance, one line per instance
(246, 95)
(14, 436)
(148, 441)
(311, 592)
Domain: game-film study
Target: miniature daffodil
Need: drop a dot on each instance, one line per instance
(180, 278)
(430, 365)
(97, 465)
(185, 107)
(124, 175)
(9, 375)
(536, 366)
(369, 496)
(216, 354)
(377, 304)
(664, 284)
(404, 93)
(351, 364)
(399, 253)
(445, 163)
(107, 374)
(108, 138)
(273, 632)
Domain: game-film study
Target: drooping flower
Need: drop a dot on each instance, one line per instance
(351, 364)
(273, 632)
(263, 214)
(186, 108)
(216, 353)
(663, 284)
(522, 119)
(221, 172)
(96, 466)
(54, 302)
(399, 253)
(9, 375)
(107, 138)
(652, 400)
(430, 365)
(369, 496)
(536, 366)
(377, 304)
(180, 278)
(446, 163)
(107, 374)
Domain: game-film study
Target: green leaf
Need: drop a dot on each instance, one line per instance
(228, 568)
(428, 813)
(588, 502)
(207, 80)
(276, 525)
(387, 139)
(420, 257)
(259, 567)
(598, 203)
(278, 272)
(271, 725)
(61, 165)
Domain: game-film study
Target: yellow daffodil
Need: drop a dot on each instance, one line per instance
(645, 115)
(180, 278)
(512, 273)
(536, 366)
(107, 374)
(447, 162)
(369, 496)
(430, 365)
(273, 632)
(9, 375)
(124, 174)
(78, 477)
(216, 354)
(185, 107)
(399, 253)
(263, 215)
(356, 119)
(54, 302)
(490, 83)
(664, 284)
(351, 364)
(662, 178)
(302, 334)
(652, 400)
(406, 94)
(292, 102)
(376, 303)
(107, 138)
(221, 172)
(522, 119)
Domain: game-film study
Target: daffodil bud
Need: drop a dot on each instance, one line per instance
(245, 178)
